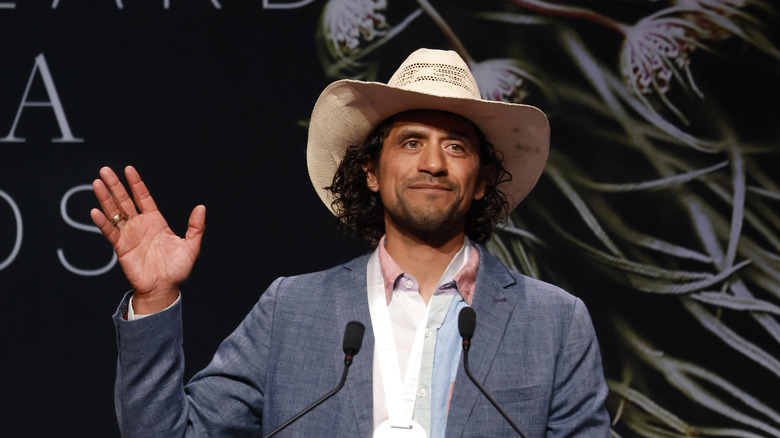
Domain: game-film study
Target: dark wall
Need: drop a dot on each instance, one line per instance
(210, 106)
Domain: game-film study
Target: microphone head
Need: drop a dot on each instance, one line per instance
(467, 320)
(353, 337)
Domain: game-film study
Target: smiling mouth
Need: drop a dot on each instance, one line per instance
(434, 187)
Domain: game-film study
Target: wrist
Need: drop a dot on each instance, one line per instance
(153, 302)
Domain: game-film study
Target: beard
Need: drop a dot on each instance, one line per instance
(424, 215)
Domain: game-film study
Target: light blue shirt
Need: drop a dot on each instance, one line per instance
(445, 366)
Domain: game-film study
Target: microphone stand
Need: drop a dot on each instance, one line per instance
(467, 321)
(484, 391)
(353, 338)
(347, 363)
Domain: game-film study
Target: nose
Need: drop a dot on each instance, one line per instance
(433, 161)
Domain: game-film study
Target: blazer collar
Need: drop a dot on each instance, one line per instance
(494, 305)
(354, 307)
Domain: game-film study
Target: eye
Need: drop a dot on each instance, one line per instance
(412, 144)
(456, 148)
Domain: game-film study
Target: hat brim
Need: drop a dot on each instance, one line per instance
(347, 111)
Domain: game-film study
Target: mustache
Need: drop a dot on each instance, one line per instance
(435, 181)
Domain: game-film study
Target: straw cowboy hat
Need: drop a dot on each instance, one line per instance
(347, 111)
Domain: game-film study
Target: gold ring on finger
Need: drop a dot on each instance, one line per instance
(117, 218)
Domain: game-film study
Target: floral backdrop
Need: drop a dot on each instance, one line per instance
(659, 204)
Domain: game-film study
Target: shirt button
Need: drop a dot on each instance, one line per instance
(409, 284)
(428, 333)
(422, 393)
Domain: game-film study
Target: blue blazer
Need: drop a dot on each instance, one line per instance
(534, 349)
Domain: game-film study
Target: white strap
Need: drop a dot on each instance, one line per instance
(399, 396)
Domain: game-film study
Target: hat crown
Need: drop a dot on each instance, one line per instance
(438, 72)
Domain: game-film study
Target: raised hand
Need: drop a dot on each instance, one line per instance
(155, 260)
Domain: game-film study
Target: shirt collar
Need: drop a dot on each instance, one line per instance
(462, 270)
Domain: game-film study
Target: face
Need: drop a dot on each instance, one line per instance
(428, 172)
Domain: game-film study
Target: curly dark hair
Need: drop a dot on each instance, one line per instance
(360, 212)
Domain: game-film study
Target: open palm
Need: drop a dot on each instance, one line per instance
(155, 260)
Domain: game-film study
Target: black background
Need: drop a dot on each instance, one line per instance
(210, 106)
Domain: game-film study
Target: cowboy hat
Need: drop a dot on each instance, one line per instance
(347, 111)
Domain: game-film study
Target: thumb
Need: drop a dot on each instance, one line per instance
(196, 226)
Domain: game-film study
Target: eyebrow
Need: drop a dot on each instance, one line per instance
(411, 132)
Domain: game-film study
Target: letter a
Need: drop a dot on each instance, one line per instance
(54, 103)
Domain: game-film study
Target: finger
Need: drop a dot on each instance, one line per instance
(107, 203)
(108, 230)
(118, 192)
(143, 199)
(196, 227)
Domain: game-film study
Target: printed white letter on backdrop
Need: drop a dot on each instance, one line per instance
(18, 218)
(270, 4)
(83, 227)
(56, 3)
(54, 103)
(215, 3)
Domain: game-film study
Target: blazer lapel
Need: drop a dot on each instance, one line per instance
(352, 305)
(493, 306)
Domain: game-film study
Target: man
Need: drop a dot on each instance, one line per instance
(411, 167)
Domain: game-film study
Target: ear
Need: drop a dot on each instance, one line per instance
(485, 175)
(479, 193)
(371, 179)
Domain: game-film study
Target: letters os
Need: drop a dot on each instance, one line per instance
(7, 260)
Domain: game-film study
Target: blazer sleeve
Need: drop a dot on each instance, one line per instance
(225, 399)
(580, 391)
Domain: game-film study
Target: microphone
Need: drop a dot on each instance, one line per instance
(353, 340)
(467, 321)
